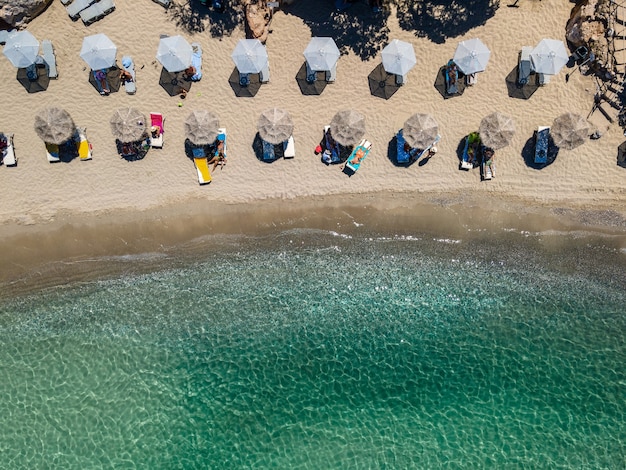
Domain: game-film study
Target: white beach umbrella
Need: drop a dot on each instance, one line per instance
(275, 125)
(321, 54)
(21, 49)
(174, 53)
(348, 127)
(249, 56)
(98, 51)
(549, 56)
(471, 56)
(398, 57)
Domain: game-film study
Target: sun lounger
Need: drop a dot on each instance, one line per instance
(311, 75)
(83, 145)
(543, 79)
(331, 74)
(468, 160)
(99, 77)
(52, 151)
(129, 66)
(4, 35)
(264, 75)
(49, 58)
(66, 2)
(97, 11)
(402, 156)
(471, 79)
(8, 154)
(156, 139)
(196, 61)
(452, 77)
(542, 135)
(400, 79)
(358, 155)
(289, 148)
(487, 167)
(77, 6)
(269, 153)
(524, 66)
(334, 151)
(201, 162)
(165, 3)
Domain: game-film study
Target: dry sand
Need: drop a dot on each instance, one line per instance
(36, 193)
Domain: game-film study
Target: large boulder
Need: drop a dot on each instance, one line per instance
(17, 12)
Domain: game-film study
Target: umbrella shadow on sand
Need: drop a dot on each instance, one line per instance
(241, 91)
(33, 86)
(440, 84)
(257, 148)
(310, 88)
(113, 79)
(521, 92)
(173, 82)
(382, 84)
(528, 153)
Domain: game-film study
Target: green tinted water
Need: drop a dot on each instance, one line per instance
(332, 352)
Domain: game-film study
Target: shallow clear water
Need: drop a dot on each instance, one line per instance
(315, 350)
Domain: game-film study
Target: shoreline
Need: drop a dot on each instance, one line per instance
(82, 248)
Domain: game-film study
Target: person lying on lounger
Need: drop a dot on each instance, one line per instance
(219, 158)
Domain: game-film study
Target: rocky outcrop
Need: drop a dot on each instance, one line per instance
(589, 26)
(258, 18)
(17, 12)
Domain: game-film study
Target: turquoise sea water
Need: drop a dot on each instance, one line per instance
(312, 349)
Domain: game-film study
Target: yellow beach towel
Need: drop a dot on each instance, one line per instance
(202, 165)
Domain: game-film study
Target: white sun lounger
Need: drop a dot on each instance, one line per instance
(49, 58)
(165, 3)
(290, 148)
(52, 151)
(9, 153)
(66, 2)
(77, 6)
(97, 11)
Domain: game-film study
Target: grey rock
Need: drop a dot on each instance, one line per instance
(18, 12)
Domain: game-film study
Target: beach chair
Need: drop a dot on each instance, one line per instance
(335, 151)
(82, 144)
(468, 160)
(426, 151)
(129, 66)
(331, 74)
(164, 3)
(196, 61)
(524, 66)
(358, 155)
(244, 79)
(542, 137)
(156, 138)
(66, 2)
(74, 8)
(311, 75)
(52, 151)
(269, 151)
(264, 74)
(402, 156)
(452, 77)
(471, 79)
(487, 167)
(49, 58)
(201, 163)
(289, 148)
(543, 79)
(8, 154)
(97, 11)
(400, 79)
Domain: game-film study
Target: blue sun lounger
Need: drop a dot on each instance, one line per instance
(541, 144)
(452, 78)
(358, 155)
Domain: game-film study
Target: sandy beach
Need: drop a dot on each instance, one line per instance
(39, 196)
